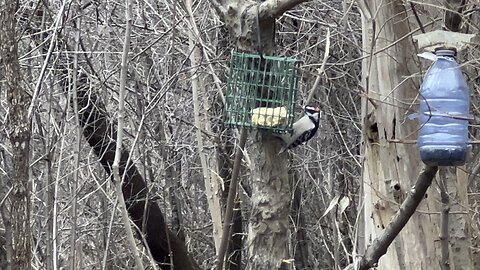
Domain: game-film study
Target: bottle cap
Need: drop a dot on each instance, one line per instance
(446, 52)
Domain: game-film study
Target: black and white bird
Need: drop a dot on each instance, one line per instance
(303, 130)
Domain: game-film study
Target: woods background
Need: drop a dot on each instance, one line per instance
(59, 117)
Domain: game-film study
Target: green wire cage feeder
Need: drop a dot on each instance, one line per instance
(261, 92)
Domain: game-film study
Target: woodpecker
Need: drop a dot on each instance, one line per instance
(303, 130)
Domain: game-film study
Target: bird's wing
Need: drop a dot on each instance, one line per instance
(299, 127)
(304, 137)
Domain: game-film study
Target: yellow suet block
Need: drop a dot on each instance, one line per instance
(269, 117)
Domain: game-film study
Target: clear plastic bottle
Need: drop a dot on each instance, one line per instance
(444, 112)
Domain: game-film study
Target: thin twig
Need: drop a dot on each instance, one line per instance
(211, 185)
(219, 6)
(321, 69)
(118, 150)
(78, 135)
(414, 10)
(38, 85)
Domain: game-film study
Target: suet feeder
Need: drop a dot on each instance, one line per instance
(261, 92)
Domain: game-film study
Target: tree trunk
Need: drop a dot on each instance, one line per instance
(268, 225)
(19, 132)
(458, 237)
(386, 165)
(267, 239)
(99, 133)
(302, 252)
(174, 173)
(389, 167)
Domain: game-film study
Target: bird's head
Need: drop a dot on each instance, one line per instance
(312, 111)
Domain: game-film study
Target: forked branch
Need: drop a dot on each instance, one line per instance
(275, 8)
(380, 245)
(268, 9)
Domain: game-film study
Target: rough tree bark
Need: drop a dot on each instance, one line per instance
(390, 92)
(268, 225)
(457, 221)
(19, 132)
(381, 244)
(297, 214)
(388, 168)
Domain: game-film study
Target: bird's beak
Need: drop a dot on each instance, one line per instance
(317, 109)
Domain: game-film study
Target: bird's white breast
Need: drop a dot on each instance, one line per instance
(299, 128)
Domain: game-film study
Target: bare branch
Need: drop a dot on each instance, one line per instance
(417, 18)
(53, 39)
(78, 136)
(118, 149)
(364, 9)
(275, 8)
(322, 68)
(232, 193)
(197, 83)
(380, 245)
(453, 14)
(219, 6)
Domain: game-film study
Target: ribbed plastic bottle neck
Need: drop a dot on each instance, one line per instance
(445, 52)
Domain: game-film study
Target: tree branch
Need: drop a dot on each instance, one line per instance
(453, 14)
(207, 164)
(322, 68)
(275, 8)
(219, 6)
(232, 193)
(118, 148)
(100, 134)
(380, 245)
(77, 145)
